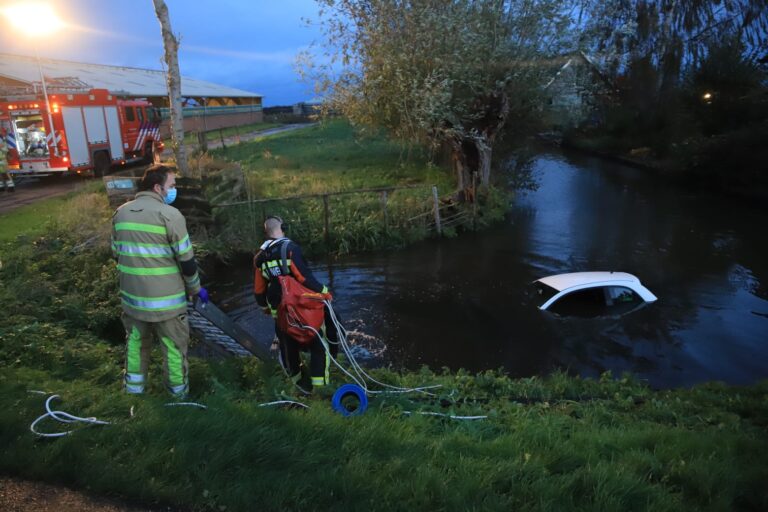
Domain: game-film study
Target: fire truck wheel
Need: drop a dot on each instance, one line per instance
(100, 164)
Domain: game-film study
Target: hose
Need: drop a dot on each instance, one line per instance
(63, 417)
(356, 372)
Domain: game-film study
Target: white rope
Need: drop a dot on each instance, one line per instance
(63, 417)
(280, 402)
(360, 377)
(452, 416)
(192, 404)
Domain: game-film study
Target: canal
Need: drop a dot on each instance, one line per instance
(460, 303)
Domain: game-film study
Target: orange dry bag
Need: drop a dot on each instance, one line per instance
(301, 309)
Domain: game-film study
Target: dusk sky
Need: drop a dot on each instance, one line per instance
(251, 45)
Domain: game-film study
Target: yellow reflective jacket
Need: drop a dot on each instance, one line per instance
(150, 241)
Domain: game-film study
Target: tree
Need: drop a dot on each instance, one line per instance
(440, 71)
(173, 77)
(659, 39)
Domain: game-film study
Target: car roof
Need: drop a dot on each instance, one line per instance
(562, 282)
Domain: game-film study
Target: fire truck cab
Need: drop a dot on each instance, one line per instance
(84, 131)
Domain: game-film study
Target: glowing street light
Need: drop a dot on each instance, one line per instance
(31, 15)
(707, 96)
(36, 19)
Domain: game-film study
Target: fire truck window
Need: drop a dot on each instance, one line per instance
(140, 113)
(30, 136)
(129, 114)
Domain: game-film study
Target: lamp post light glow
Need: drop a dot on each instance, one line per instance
(36, 19)
(707, 96)
(41, 17)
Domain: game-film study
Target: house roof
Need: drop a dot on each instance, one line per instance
(117, 79)
(571, 59)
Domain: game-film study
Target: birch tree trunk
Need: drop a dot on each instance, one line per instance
(173, 78)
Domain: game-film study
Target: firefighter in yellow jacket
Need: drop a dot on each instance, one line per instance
(6, 181)
(157, 273)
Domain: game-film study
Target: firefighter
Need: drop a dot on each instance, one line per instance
(157, 273)
(267, 266)
(6, 181)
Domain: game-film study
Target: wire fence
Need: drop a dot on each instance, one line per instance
(346, 221)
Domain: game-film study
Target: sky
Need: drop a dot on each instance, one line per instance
(248, 44)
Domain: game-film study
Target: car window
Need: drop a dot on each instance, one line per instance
(620, 300)
(582, 303)
(129, 114)
(140, 113)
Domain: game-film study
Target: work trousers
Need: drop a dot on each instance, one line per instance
(173, 335)
(320, 353)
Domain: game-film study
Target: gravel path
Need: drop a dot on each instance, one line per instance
(23, 496)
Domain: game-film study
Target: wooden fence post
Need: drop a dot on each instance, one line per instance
(437, 211)
(326, 229)
(202, 141)
(221, 137)
(384, 200)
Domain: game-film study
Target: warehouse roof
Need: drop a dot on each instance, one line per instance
(116, 79)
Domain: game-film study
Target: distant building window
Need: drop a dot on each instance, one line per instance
(129, 114)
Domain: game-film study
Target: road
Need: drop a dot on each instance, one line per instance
(30, 190)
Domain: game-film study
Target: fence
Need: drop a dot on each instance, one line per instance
(350, 220)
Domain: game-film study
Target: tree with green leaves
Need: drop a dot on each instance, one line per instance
(451, 72)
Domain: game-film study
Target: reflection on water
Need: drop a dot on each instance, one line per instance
(460, 303)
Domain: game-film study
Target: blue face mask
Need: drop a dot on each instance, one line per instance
(170, 196)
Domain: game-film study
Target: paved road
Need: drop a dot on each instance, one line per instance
(244, 137)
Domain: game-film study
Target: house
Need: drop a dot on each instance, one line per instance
(575, 93)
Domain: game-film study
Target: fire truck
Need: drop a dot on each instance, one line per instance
(77, 130)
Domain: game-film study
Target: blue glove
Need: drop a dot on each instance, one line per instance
(203, 294)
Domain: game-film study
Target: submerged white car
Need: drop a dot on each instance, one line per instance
(591, 294)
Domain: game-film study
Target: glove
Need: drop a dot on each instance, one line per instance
(203, 294)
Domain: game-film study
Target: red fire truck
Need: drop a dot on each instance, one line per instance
(85, 130)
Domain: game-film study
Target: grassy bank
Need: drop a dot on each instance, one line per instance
(30, 219)
(558, 443)
(332, 158)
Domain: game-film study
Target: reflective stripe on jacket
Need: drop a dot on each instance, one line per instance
(150, 240)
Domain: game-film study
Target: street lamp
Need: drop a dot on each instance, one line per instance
(41, 17)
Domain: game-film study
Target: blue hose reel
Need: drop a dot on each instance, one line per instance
(349, 391)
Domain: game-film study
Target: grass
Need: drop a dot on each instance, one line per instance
(331, 158)
(214, 135)
(29, 219)
(556, 443)
(33, 219)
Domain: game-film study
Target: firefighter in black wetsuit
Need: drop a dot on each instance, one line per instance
(266, 267)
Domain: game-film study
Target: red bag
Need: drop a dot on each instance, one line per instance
(300, 308)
